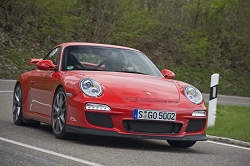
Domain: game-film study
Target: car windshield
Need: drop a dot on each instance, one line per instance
(107, 59)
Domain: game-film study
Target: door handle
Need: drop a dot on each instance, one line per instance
(32, 82)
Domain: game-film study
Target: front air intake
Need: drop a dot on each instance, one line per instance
(151, 126)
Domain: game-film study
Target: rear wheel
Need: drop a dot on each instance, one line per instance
(17, 109)
(17, 106)
(181, 144)
(58, 117)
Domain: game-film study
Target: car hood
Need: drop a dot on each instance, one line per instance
(136, 87)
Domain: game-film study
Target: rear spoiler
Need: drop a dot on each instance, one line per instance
(34, 61)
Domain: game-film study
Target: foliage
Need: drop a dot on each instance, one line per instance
(194, 38)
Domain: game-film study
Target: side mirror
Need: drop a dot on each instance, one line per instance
(168, 74)
(45, 65)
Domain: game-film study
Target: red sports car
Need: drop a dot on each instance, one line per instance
(108, 90)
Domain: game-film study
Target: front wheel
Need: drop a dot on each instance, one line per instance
(58, 117)
(181, 144)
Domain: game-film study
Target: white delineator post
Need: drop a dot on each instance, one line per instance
(213, 99)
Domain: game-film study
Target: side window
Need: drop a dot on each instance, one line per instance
(54, 55)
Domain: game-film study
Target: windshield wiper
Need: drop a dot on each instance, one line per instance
(124, 71)
(127, 71)
(91, 69)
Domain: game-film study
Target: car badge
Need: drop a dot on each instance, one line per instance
(148, 93)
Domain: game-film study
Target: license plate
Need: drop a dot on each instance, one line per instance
(154, 115)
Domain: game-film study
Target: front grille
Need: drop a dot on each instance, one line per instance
(151, 126)
(97, 119)
(195, 125)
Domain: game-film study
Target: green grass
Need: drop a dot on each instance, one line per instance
(232, 122)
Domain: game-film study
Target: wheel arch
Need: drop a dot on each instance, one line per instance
(24, 93)
(17, 82)
(57, 88)
(25, 89)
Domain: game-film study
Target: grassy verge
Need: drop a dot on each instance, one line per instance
(232, 122)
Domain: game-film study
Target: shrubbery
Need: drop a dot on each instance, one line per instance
(194, 38)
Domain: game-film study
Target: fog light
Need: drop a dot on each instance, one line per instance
(93, 106)
(199, 113)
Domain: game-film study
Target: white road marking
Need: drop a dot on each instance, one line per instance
(6, 91)
(235, 146)
(51, 152)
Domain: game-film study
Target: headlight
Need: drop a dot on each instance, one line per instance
(193, 94)
(91, 87)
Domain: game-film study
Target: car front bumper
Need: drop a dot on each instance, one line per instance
(119, 121)
(82, 130)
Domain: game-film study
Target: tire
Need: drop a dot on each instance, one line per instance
(58, 115)
(17, 109)
(181, 144)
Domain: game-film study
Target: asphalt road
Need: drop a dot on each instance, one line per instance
(230, 100)
(33, 146)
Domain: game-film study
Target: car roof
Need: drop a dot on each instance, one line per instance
(95, 44)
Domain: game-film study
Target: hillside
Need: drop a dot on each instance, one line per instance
(193, 38)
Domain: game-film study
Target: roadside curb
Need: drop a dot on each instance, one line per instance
(228, 141)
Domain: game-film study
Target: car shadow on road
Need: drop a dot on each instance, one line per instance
(120, 142)
(128, 143)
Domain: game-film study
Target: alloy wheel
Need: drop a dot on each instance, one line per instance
(17, 106)
(59, 114)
